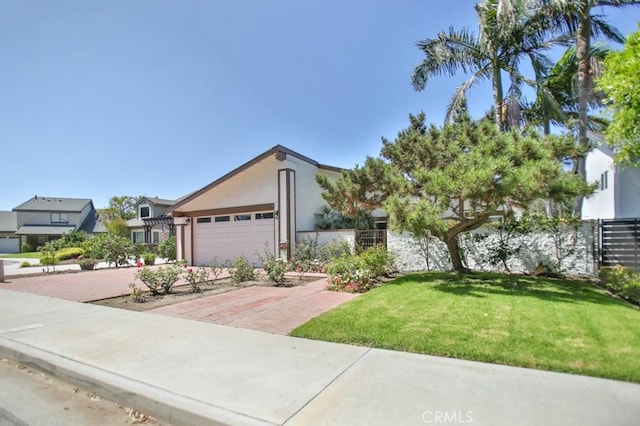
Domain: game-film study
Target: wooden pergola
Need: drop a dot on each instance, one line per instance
(150, 222)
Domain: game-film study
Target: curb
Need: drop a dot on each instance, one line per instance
(159, 403)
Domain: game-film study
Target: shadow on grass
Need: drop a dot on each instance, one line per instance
(480, 284)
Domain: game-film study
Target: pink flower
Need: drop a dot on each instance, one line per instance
(190, 270)
(139, 264)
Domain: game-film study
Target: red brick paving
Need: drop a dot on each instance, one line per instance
(270, 309)
(82, 286)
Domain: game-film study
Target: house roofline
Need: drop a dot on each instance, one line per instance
(277, 150)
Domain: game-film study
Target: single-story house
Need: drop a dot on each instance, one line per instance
(151, 225)
(9, 242)
(618, 190)
(258, 206)
(42, 219)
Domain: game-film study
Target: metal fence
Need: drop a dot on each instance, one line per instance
(619, 242)
(370, 238)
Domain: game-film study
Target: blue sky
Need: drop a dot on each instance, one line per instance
(159, 98)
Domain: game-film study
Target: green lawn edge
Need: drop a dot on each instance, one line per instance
(543, 323)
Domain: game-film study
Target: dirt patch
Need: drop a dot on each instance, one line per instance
(184, 293)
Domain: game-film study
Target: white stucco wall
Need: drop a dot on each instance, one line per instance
(602, 204)
(536, 248)
(325, 237)
(256, 185)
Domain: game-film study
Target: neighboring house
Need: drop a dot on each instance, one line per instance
(618, 193)
(151, 226)
(43, 219)
(9, 242)
(259, 205)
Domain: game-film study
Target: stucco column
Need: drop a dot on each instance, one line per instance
(287, 212)
(180, 227)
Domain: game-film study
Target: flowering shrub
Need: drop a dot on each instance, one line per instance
(622, 281)
(273, 266)
(162, 278)
(217, 267)
(242, 271)
(378, 260)
(149, 259)
(197, 277)
(302, 266)
(349, 273)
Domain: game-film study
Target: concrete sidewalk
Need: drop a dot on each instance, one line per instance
(193, 373)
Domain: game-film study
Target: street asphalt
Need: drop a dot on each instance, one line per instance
(194, 373)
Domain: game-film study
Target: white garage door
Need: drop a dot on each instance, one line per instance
(229, 236)
(9, 245)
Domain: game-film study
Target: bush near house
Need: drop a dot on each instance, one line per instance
(167, 249)
(242, 271)
(359, 273)
(69, 253)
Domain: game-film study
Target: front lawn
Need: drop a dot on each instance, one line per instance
(542, 323)
(28, 255)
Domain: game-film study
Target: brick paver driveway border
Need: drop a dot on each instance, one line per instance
(270, 309)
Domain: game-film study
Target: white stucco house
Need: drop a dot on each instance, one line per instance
(618, 193)
(261, 204)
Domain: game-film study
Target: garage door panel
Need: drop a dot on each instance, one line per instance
(227, 240)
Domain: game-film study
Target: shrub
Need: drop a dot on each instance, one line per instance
(242, 271)
(87, 264)
(25, 264)
(622, 281)
(274, 267)
(26, 248)
(349, 273)
(137, 296)
(149, 259)
(69, 253)
(167, 248)
(378, 261)
(217, 267)
(161, 278)
(197, 277)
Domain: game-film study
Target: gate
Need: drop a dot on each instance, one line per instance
(619, 242)
(370, 238)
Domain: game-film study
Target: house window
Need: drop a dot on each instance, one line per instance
(604, 180)
(222, 218)
(156, 237)
(240, 217)
(204, 220)
(59, 217)
(145, 211)
(495, 219)
(137, 236)
(264, 215)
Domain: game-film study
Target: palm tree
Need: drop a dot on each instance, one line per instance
(506, 35)
(578, 16)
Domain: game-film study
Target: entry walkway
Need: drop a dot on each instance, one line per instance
(189, 372)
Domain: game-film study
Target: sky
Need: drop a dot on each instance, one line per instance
(160, 97)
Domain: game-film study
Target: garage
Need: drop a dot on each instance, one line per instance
(228, 236)
(9, 245)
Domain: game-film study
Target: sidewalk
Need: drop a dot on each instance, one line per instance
(193, 373)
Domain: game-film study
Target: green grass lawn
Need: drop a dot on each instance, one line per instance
(29, 255)
(542, 323)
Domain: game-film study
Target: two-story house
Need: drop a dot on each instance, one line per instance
(151, 226)
(618, 187)
(42, 219)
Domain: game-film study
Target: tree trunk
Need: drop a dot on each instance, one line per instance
(498, 96)
(454, 252)
(585, 79)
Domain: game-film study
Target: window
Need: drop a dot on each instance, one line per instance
(137, 236)
(145, 211)
(264, 215)
(495, 219)
(222, 218)
(59, 218)
(204, 220)
(240, 217)
(156, 237)
(604, 180)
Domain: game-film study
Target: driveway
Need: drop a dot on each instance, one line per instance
(270, 309)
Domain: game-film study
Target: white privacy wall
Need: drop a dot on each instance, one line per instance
(536, 248)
